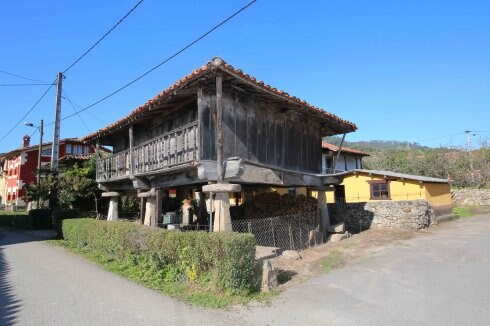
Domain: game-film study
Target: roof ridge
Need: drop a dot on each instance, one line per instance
(215, 63)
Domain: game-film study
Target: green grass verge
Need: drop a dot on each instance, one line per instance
(13, 213)
(203, 297)
(331, 261)
(462, 212)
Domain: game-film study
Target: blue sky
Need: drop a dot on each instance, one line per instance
(401, 70)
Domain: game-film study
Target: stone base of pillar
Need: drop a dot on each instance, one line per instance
(222, 217)
(113, 214)
(150, 211)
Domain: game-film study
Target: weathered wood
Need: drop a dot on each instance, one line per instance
(221, 187)
(147, 194)
(131, 152)
(110, 194)
(219, 128)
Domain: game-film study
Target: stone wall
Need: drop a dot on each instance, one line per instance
(409, 215)
(471, 197)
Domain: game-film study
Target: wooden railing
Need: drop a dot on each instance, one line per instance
(173, 148)
(113, 166)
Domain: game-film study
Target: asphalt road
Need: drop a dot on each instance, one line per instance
(440, 277)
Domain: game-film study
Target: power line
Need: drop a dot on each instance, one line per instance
(75, 110)
(103, 37)
(27, 113)
(163, 62)
(28, 84)
(22, 77)
(69, 67)
(435, 138)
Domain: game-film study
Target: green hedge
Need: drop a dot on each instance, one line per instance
(61, 214)
(6, 219)
(37, 219)
(40, 218)
(223, 260)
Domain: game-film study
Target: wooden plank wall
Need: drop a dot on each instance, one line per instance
(258, 132)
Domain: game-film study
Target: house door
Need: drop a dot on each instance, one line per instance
(339, 193)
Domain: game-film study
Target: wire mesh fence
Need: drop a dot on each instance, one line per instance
(289, 232)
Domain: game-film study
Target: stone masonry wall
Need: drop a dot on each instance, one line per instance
(471, 197)
(409, 215)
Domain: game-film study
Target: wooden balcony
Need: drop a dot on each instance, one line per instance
(177, 147)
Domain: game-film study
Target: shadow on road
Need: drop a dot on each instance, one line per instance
(10, 306)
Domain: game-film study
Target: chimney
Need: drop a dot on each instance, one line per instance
(26, 141)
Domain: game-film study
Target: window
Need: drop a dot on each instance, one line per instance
(68, 148)
(380, 190)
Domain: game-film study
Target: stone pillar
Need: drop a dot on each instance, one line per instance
(150, 211)
(322, 213)
(112, 214)
(153, 206)
(222, 217)
(221, 204)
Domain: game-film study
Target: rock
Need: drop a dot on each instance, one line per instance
(336, 237)
(291, 254)
(315, 237)
(269, 277)
(337, 228)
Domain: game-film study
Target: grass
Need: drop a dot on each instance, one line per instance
(462, 212)
(198, 296)
(13, 213)
(331, 261)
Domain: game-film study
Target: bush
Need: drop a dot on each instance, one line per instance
(40, 218)
(6, 219)
(222, 260)
(21, 221)
(62, 214)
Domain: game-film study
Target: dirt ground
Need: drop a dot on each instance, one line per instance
(332, 255)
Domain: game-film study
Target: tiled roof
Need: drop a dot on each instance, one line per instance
(335, 148)
(35, 147)
(398, 175)
(77, 157)
(210, 67)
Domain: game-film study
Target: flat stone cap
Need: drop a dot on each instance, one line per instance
(222, 187)
(110, 194)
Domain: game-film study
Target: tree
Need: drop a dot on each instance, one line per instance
(41, 191)
(78, 184)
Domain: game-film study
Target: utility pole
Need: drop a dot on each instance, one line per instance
(468, 148)
(53, 197)
(57, 117)
(39, 155)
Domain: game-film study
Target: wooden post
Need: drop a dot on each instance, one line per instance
(158, 208)
(131, 157)
(142, 210)
(219, 128)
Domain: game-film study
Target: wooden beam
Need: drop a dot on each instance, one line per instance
(147, 194)
(219, 128)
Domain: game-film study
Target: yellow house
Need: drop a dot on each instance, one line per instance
(373, 185)
(3, 182)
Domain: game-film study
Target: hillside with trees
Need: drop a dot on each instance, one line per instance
(463, 168)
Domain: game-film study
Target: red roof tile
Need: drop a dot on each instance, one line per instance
(335, 148)
(212, 66)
